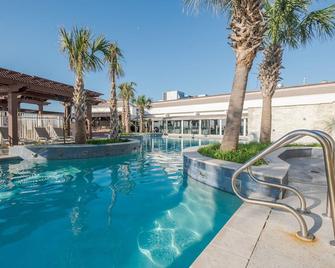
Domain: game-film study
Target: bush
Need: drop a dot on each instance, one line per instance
(241, 155)
(105, 141)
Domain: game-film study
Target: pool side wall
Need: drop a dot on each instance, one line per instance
(74, 151)
(218, 173)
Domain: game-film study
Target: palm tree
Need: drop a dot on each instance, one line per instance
(290, 24)
(142, 103)
(82, 51)
(127, 93)
(247, 25)
(113, 57)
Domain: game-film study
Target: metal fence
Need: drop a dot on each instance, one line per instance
(28, 121)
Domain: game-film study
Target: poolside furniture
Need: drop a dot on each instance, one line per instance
(5, 137)
(60, 134)
(43, 135)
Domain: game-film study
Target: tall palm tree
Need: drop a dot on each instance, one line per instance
(127, 93)
(113, 57)
(142, 103)
(290, 24)
(83, 55)
(247, 26)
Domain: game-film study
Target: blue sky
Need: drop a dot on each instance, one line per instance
(164, 47)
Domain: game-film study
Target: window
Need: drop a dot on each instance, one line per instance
(223, 121)
(244, 127)
(205, 127)
(214, 127)
(195, 126)
(191, 127)
(187, 127)
(174, 126)
(158, 126)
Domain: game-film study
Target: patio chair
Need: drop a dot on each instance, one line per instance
(5, 137)
(60, 134)
(43, 135)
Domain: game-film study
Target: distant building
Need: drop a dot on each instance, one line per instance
(306, 106)
(101, 114)
(173, 95)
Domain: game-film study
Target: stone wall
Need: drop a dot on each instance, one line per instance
(288, 118)
(74, 151)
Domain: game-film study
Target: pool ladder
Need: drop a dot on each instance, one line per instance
(328, 146)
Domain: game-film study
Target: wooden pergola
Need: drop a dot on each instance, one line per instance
(16, 88)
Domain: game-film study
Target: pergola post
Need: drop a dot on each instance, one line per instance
(40, 109)
(67, 119)
(12, 119)
(89, 119)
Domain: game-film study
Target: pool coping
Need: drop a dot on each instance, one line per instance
(234, 244)
(74, 151)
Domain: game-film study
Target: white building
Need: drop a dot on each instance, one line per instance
(101, 114)
(173, 95)
(307, 106)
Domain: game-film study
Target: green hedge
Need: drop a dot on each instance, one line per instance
(244, 151)
(241, 155)
(105, 141)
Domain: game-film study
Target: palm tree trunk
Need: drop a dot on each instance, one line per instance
(114, 126)
(141, 121)
(124, 116)
(266, 121)
(235, 109)
(247, 30)
(127, 117)
(269, 75)
(79, 103)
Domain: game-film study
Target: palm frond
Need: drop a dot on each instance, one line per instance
(291, 23)
(114, 56)
(82, 49)
(217, 6)
(127, 90)
(318, 24)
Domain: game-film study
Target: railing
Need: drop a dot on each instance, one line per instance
(328, 146)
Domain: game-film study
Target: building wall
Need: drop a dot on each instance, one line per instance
(299, 107)
(288, 118)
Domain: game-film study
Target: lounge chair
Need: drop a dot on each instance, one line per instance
(43, 135)
(5, 137)
(60, 134)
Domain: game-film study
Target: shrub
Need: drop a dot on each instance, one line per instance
(244, 151)
(241, 155)
(105, 141)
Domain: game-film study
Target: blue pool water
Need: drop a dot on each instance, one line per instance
(130, 211)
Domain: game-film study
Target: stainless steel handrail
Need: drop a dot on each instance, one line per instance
(327, 144)
(302, 200)
(332, 144)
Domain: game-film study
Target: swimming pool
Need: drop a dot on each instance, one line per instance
(129, 211)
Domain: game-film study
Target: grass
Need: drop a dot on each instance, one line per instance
(244, 151)
(105, 141)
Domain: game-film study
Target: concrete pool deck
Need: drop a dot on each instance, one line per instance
(258, 236)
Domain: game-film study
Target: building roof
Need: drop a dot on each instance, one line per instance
(34, 88)
(311, 89)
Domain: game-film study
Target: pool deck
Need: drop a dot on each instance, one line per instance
(258, 236)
